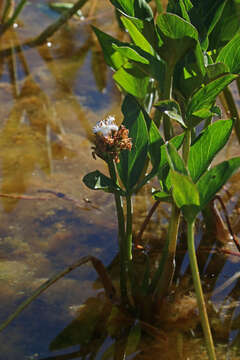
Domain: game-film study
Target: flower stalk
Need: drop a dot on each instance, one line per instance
(109, 141)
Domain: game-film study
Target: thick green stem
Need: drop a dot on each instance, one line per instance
(163, 277)
(199, 293)
(167, 94)
(129, 229)
(232, 108)
(121, 235)
(186, 145)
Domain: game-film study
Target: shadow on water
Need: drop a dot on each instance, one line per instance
(50, 98)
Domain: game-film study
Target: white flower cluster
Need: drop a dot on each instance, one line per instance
(106, 126)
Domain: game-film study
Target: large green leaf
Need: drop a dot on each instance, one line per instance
(227, 26)
(230, 55)
(185, 194)
(154, 152)
(155, 142)
(95, 180)
(177, 35)
(174, 160)
(205, 97)
(132, 80)
(206, 146)
(136, 35)
(130, 53)
(112, 57)
(213, 180)
(214, 20)
(133, 162)
(163, 170)
(204, 15)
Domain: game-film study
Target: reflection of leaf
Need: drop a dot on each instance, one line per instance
(89, 325)
(23, 140)
(99, 68)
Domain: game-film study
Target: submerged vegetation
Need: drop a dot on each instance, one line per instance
(173, 70)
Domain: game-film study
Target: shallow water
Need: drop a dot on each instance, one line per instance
(51, 97)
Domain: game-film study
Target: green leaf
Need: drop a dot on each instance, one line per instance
(135, 8)
(172, 109)
(227, 26)
(130, 53)
(112, 57)
(137, 35)
(205, 97)
(230, 54)
(185, 194)
(216, 16)
(162, 195)
(213, 180)
(155, 142)
(174, 159)
(206, 146)
(215, 70)
(185, 6)
(133, 162)
(164, 166)
(97, 181)
(203, 113)
(132, 80)
(178, 37)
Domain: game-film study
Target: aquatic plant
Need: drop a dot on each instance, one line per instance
(170, 72)
(172, 66)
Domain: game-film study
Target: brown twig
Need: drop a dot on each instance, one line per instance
(23, 197)
(236, 242)
(58, 194)
(145, 223)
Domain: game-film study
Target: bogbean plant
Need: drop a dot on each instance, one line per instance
(176, 64)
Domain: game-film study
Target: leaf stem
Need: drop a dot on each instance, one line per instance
(129, 229)
(167, 94)
(163, 276)
(186, 145)
(199, 292)
(121, 235)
